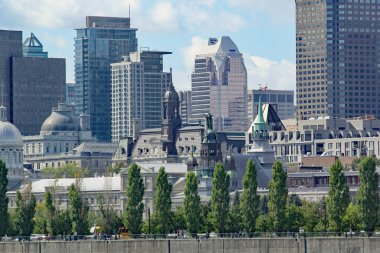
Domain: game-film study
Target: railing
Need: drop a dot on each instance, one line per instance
(255, 235)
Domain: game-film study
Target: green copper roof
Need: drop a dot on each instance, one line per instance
(259, 122)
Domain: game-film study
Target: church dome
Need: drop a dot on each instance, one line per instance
(61, 119)
(10, 136)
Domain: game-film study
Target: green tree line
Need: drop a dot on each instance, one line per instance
(244, 212)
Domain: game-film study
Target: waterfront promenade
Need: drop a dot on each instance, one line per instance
(217, 245)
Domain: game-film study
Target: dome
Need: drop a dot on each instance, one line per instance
(61, 119)
(10, 136)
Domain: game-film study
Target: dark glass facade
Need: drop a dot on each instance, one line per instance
(104, 41)
(337, 63)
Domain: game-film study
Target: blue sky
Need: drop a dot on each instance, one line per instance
(263, 30)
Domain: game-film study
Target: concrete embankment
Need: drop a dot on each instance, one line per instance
(259, 245)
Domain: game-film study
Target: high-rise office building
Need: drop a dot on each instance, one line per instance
(31, 85)
(103, 41)
(337, 58)
(138, 86)
(282, 102)
(185, 98)
(219, 86)
(10, 46)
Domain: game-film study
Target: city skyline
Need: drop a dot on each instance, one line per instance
(264, 30)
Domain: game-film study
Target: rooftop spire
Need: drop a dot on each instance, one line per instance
(259, 122)
(171, 85)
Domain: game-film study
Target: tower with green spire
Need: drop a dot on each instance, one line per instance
(260, 147)
(260, 127)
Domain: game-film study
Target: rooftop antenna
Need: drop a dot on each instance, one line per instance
(129, 11)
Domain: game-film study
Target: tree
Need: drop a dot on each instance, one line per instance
(4, 221)
(294, 218)
(114, 169)
(338, 197)
(110, 220)
(40, 221)
(78, 212)
(25, 210)
(351, 219)
(322, 212)
(62, 223)
(12, 230)
(220, 198)
(179, 221)
(134, 208)
(206, 218)
(250, 201)
(263, 223)
(235, 223)
(278, 194)
(311, 216)
(264, 209)
(192, 203)
(163, 203)
(49, 211)
(294, 199)
(368, 194)
(69, 170)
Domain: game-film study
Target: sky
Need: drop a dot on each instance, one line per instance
(263, 30)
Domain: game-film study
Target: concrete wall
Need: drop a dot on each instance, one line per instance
(287, 245)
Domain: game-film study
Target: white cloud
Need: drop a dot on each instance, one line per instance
(164, 15)
(278, 10)
(208, 3)
(59, 41)
(182, 79)
(63, 13)
(274, 74)
(197, 43)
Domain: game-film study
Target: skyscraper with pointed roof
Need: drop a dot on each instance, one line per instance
(31, 84)
(219, 86)
(32, 47)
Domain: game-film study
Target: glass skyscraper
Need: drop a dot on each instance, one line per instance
(219, 86)
(103, 41)
(338, 72)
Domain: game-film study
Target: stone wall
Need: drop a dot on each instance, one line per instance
(263, 245)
